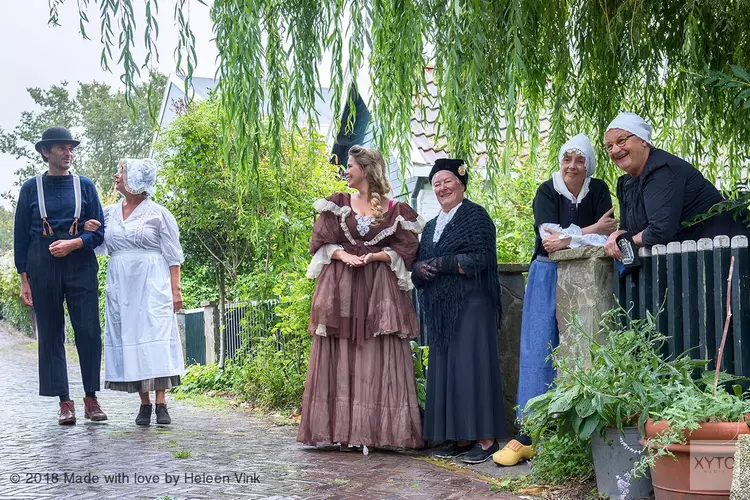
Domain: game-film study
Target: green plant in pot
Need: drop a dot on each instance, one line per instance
(604, 391)
(701, 418)
(696, 425)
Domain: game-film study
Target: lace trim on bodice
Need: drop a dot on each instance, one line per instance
(416, 226)
(363, 223)
(142, 222)
(140, 214)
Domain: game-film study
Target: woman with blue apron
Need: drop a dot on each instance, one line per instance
(571, 210)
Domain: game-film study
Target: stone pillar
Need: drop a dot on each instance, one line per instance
(584, 287)
(741, 471)
(513, 285)
(212, 332)
(181, 330)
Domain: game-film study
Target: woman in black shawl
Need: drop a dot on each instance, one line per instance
(459, 294)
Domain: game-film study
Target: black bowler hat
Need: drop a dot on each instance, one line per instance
(452, 165)
(55, 135)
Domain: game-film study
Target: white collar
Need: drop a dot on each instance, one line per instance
(452, 211)
(559, 184)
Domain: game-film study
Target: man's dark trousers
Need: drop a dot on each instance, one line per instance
(72, 279)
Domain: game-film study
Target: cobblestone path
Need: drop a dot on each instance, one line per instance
(205, 453)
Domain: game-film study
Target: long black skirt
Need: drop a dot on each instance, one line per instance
(464, 386)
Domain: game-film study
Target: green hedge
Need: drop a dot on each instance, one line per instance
(11, 307)
(16, 313)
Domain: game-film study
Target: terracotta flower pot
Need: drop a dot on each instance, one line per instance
(671, 478)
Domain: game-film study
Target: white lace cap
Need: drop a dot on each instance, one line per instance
(581, 145)
(140, 176)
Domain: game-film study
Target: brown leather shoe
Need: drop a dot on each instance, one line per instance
(92, 410)
(67, 413)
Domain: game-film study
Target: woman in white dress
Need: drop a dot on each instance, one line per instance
(143, 352)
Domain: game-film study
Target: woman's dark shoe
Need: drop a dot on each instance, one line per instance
(477, 455)
(327, 447)
(162, 415)
(450, 450)
(144, 415)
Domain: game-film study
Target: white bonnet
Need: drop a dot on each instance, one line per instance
(632, 123)
(582, 145)
(140, 176)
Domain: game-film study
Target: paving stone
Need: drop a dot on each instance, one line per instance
(127, 460)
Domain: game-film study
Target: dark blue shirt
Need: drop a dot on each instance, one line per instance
(668, 192)
(59, 198)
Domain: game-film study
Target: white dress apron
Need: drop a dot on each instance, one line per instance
(141, 338)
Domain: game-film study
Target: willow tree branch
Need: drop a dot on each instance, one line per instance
(218, 259)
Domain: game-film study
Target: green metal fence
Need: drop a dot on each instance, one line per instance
(195, 339)
(246, 323)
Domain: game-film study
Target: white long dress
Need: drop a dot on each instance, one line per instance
(141, 339)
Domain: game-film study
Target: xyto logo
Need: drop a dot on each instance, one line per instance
(708, 464)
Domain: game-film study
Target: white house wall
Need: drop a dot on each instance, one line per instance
(427, 203)
(167, 113)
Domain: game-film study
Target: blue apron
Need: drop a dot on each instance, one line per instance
(539, 333)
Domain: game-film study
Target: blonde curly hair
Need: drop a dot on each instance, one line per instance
(373, 165)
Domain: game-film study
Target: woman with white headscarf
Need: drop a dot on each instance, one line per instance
(571, 210)
(143, 352)
(659, 191)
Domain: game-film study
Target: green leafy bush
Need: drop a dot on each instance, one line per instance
(205, 378)
(102, 287)
(274, 373)
(615, 382)
(11, 307)
(689, 403)
(420, 355)
(274, 377)
(562, 459)
(621, 379)
(198, 285)
(510, 207)
(270, 367)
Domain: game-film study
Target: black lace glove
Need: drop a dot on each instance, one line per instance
(424, 270)
(447, 264)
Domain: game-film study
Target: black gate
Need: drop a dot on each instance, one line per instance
(687, 282)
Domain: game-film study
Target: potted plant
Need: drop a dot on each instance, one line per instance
(604, 392)
(702, 419)
(697, 417)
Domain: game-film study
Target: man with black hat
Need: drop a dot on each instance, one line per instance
(56, 261)
(459, 294)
